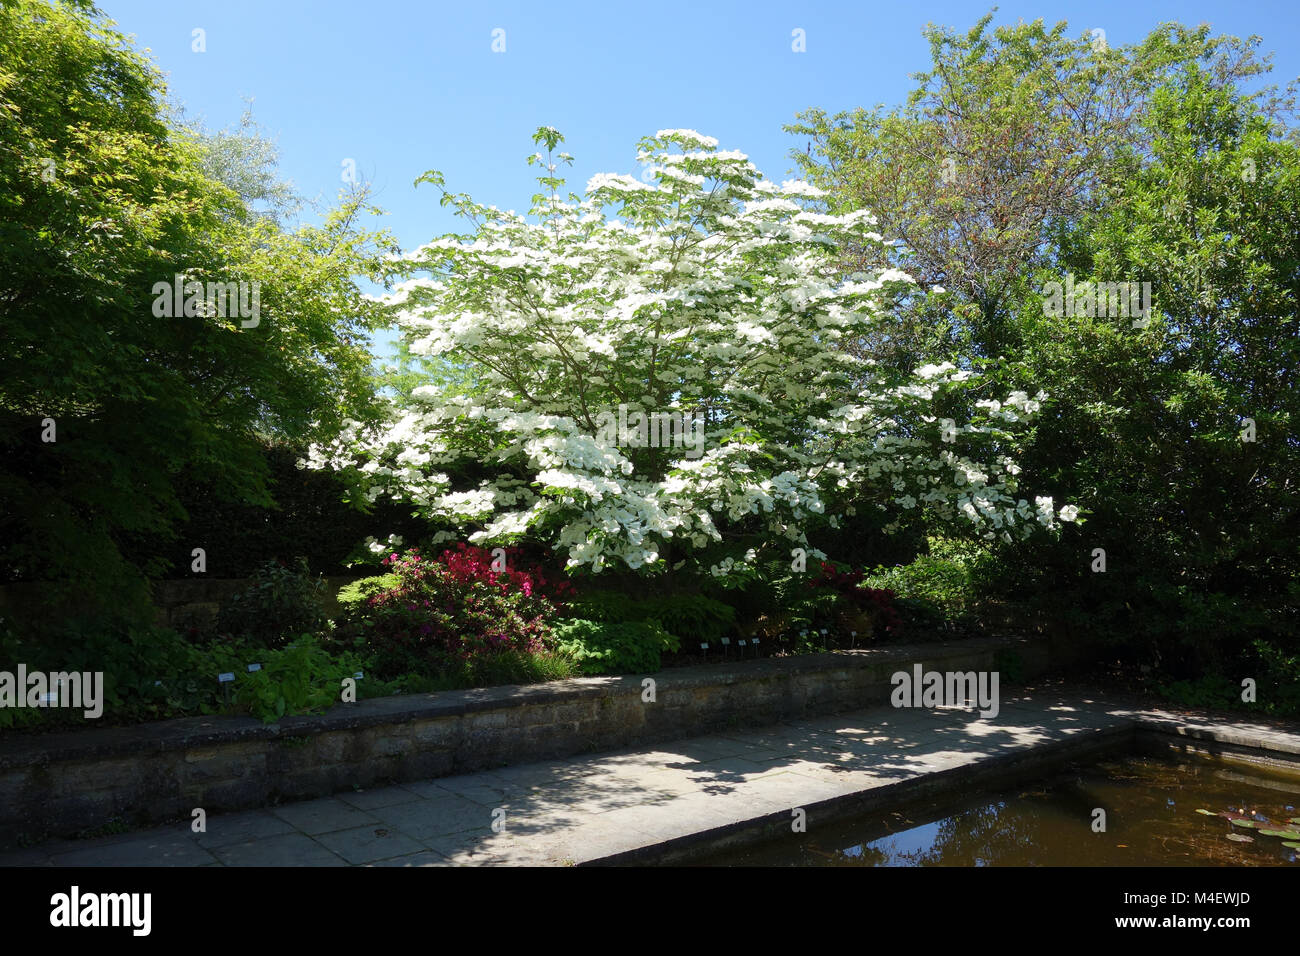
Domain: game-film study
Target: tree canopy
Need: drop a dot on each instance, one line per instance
(103, 400)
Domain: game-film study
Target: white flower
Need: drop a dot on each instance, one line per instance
(687, 134)
(930, 371)
(575, 325)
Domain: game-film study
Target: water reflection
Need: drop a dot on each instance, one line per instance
(1151, 819)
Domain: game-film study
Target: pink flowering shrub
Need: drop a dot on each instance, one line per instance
(455, 610)
(870, 609)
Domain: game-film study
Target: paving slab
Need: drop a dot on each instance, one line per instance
(323, 816)
(159, 848)
(424, 820)
(223, 829)
(383, 797)
(369, 843)
(289, 849)
(420, 859)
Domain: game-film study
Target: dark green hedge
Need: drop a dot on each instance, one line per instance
(311, 521)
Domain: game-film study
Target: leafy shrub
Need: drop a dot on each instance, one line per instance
(504, 667)
(628, 647)
(689, 616)
(827, 606)
(608, 607)
(352, 596)
(150, 673)
(279, 604)
(1277, 683)
(937, 581)
(514, 667)
(1009, 665)
(871, 608)
(951, 575)
(1214, 691)
(299, 678)
(311, 518)
(451, 611)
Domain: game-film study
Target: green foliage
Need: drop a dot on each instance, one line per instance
(607, 607)
(629, 647)
(310, 518)
(1212, 691)
(506, 667)
(103, 199)
(1010, 666)
(279, 604)
(1199, 521)
(451, 613)
(513, 667)
(245, 159)
(776, 592)
(980, 169)
(150, 673)
(942, 581)
(692, 617)
(938, 590)
(1188, 178)
(155, 674)
(1275, 670)
(352, 596)
(299, 678)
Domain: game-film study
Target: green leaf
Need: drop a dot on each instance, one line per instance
(1284, 834)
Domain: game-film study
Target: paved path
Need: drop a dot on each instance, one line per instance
(589, 808)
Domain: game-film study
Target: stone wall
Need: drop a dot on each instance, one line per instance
(180, 603)
(197, 600)
(69, 783)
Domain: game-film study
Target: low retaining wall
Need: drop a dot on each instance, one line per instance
(68, 783)
(180, 603)
(197, 601)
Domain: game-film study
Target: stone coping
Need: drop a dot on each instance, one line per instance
(1253, 744)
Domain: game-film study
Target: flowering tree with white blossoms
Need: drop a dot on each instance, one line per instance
(712, 297)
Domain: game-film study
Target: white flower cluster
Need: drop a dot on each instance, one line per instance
(376, 547)
(716, 297)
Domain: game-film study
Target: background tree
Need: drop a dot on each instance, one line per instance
(1003, 142)
(245, 158)
(1026, 156)
(99, 200)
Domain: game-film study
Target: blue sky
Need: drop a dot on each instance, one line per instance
(402, 86)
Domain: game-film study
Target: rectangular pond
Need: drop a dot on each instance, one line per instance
(1160, 810)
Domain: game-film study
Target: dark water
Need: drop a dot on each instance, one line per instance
(1151, 820)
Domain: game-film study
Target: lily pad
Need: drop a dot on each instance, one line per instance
(1284, 834)
(1291, 844)
(1240, 838)
(1208, 813)
(1294, 820)
(1242, 822)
